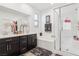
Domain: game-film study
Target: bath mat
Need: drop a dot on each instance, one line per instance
(57, 55)
(41, 52)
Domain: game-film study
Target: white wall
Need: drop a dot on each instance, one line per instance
(47, 39)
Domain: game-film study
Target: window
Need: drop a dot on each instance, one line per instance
(36, 17)
(35, 20)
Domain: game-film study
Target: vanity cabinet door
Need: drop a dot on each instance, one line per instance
(32, 41)
(3, 47)
(23, 44)
(29, 45)
(13, 46)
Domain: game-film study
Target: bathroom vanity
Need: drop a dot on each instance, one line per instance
(18, 44)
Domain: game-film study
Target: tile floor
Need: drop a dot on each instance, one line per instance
(31, 54)
(36, 52)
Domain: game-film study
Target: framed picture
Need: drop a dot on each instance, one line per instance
(47, 19)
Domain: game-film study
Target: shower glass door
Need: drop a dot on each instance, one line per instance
(69, 29)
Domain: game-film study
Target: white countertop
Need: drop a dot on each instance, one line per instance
(12, 35)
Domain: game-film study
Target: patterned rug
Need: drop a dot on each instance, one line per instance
(57, 55)
(41, 52)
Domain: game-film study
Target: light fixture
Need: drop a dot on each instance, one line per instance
(35, 20)
(36, 17)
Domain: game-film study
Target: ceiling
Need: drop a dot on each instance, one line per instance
(40, 6)
(45, 6)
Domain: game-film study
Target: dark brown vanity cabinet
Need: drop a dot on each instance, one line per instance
(27, 43)
(32, 41)
(23, 44)
(13, 46)
(17, 45)
(9, 46)
(3, 47)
